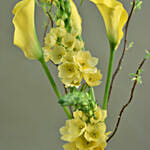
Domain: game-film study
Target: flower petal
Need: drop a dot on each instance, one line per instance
(115, 17)
(25, 35)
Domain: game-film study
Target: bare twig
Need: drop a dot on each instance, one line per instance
(45, 31)
(129, 101)
(49, 20)
(124, 49)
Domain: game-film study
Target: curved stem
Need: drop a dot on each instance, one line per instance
(52, 82)
(109, 74)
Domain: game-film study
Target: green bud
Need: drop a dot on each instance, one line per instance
(67, 7)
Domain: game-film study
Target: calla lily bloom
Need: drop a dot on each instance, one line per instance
(115, 17)
(25, 36)
(75, 18)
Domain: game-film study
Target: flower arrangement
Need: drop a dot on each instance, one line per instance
(63, 46)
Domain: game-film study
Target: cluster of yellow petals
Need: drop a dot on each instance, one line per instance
(85, 134)
(65, 50)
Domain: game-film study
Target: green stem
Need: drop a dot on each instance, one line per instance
(92, 93)
(52, 82)
(109, 74)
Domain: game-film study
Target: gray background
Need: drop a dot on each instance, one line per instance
(30, 117)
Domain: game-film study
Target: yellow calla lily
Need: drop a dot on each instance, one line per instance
(25, 36)
(75, 18)
(115, 17)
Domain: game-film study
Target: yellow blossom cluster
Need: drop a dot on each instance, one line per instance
(85, 133)
(66, 50)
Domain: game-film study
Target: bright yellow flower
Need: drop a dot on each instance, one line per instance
(78, 45)
(85, 61)
(67, 70)
(61, 32)
(93, 132)
(70, 146)
(99, 115)
(60, 23)
(70, 74)
(93, 79)
(96, 133)
(50, 39)
(85, 135)
(57, 54)
(69, 41)
(46, 53)
(73, 129)
(25, 36)
(115, 17)
(75, 80)
(75, 19)
(101, 146)
(80, 115)
(83, 144)
(68, 57)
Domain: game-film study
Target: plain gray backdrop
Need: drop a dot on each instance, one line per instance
(30, 116)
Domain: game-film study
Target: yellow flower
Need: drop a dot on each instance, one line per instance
(85, 135)
(68, 57)
(75, 80)
(68, 41)
(97, 132)
(73, 129)
(93, 132)
(85, 61)
(61, 32)
(101, 146)
(70, 146)
(80, 115)
(78, 45)
(51, 38)
(70, 74)
(83, 144)
(93, 79)
(25, 36)
(75, 19)
(57, 54)
(99, 115)
(60, 23)
(46, 53)
(67, 70)
(115, 17)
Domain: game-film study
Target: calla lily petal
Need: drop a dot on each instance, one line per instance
(115, 17)
(25, 36)
(75, 17)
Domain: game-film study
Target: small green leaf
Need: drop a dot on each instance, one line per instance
(133, 74)
(138, 4)
(147, 56)
(137, 77)
(131, 44)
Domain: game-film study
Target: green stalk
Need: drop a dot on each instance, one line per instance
(109, 74)
(92, 93)
(53, 84)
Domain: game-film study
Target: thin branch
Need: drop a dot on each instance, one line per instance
(123, 52)
(49, 20)
(129, 101)
(45, 31)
